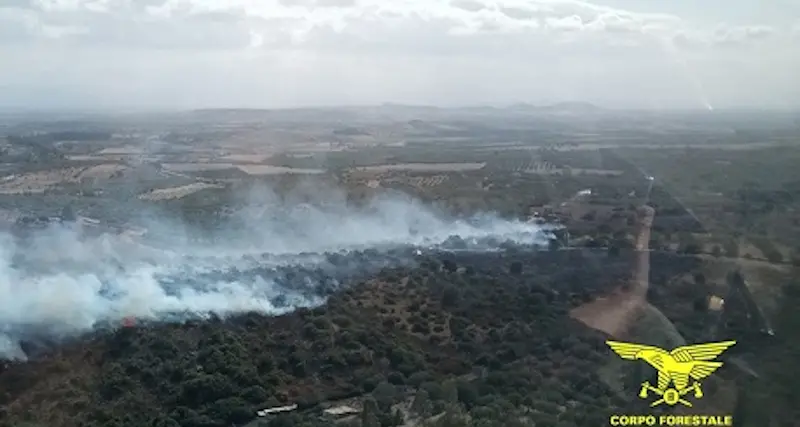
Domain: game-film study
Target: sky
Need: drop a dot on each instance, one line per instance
(167, 54)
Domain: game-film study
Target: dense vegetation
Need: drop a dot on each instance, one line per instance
(406, 331)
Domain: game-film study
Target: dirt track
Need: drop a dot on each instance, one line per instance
(614, 314)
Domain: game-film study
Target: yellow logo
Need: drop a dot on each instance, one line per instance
(677, 367)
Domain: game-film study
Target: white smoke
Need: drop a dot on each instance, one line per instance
(60, 282)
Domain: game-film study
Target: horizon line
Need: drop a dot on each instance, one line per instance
(543, 107)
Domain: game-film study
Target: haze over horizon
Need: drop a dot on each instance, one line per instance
(179, 54)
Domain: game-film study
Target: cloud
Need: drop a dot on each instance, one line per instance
(436, 27)
(520, 13)
(21, 4)
(744, 34)
(573, 45)
(319, 3)
(566, 23)
(469, 5)
(16, 24)
(726, 36)
(304, 23)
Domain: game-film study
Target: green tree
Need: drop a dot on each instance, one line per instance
(450, 297)
(774, 256)
(384, 395)
(397, 418)
(232, 410)
(700, 278)
(68, 214)
(467, 394)
(732, 248)
(691, 249)
(421, 405)
(369, 415)
(450, 391)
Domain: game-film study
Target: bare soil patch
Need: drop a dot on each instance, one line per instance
(38, 182)
(245, 158)
(424, 167)
(177, 192)
(276, 170)
(747, 248)
(125, 149)
(197, 167)
(104, 171)
(612, 314)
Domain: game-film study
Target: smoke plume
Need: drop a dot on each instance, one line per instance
(271, 256)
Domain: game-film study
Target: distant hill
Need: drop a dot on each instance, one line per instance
(567, 106)
(560, 107)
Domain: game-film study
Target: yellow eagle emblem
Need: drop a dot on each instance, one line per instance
(677, 367)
